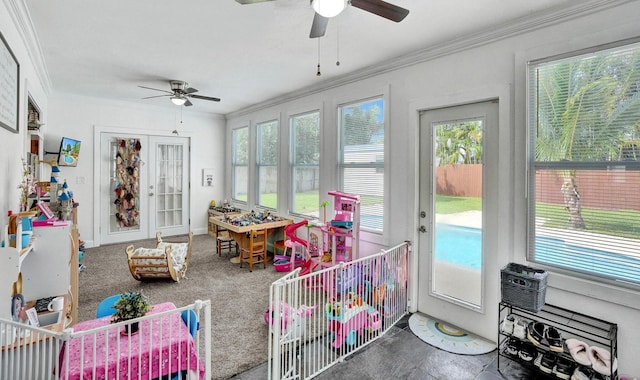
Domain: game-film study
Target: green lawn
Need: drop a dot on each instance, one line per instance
(623, 223)
(446, 204)
(614, 223)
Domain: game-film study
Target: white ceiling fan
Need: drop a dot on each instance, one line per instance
(325, 9)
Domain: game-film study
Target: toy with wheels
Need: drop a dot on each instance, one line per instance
(292, 320)
(351, 318)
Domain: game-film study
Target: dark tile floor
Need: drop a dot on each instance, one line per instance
(399, 354)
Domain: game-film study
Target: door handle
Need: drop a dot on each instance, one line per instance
(423, 229)
(151, 194)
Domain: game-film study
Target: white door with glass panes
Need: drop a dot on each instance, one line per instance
(456, 166)
(144, 186)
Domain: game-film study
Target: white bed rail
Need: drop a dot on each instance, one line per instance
(163, 346)
(329, 314)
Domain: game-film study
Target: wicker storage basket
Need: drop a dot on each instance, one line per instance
(523, 286)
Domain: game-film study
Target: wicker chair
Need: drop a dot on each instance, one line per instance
(166, 260)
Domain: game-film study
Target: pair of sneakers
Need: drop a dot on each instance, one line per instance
(521, 349)
(541, 335)
(552, 364)
(515, 326)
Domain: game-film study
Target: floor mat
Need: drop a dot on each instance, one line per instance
(448, 337)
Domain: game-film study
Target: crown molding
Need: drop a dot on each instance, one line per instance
(522, 25)
(24, 25)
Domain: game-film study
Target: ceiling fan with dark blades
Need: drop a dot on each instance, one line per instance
(320, 22)
(180, 93)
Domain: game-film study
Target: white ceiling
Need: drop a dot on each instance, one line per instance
(243, 54)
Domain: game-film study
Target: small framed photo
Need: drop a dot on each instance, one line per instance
(207, 177)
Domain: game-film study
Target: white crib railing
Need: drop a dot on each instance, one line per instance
(327, 315)
(32, 353)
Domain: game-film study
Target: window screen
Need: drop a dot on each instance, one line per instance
(362, 158)
(584, 203)
(267, 164)
(305, 164)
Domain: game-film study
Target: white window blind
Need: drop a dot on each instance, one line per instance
(362, 158)
(267, 164)
(584, 204)
(305, 164)
(240, 163)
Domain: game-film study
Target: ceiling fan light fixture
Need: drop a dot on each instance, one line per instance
(178, 100)
(329, 8)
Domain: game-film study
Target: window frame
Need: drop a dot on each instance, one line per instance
(293, 165)
(258, 161)
(377, 165)
(564, 275)
(235, 165)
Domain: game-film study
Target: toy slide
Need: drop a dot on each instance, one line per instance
(290, 231)
(283, 263)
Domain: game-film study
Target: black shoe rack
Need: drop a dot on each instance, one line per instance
(570, 324)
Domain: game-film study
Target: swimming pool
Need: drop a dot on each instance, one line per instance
(463, 246)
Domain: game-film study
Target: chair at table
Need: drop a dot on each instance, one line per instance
(105, 307)
(190, 319)
(256, 251)
(225, 241)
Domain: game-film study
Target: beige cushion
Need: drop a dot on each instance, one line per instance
(178, 253)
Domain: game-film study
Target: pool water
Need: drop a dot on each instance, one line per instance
(463, 246)
(459, 245)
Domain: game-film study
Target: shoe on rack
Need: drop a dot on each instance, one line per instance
(563, 368)
(535, 333)
(548, 362)
(579, 351)
(554, 339)
(527, 352)
(520, 329)
(581, 374)
(513, 346)
(507, 324)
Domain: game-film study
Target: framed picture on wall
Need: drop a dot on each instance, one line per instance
(207, 177)
(10, 89)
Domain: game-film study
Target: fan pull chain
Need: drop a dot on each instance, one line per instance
(318, 73)
(338, 44)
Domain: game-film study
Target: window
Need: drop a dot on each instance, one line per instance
(305, 164)
(240, 163)
(362, 158)
(267, 164)
(584, 204)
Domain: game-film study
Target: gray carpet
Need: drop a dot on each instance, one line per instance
(238, 297)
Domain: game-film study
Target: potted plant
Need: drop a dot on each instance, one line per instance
(130, 305)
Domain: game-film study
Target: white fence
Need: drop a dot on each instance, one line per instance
(163, 347)
(329, 314)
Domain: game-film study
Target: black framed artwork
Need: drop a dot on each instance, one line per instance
(9, 87)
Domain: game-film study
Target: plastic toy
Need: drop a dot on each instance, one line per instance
(283, 263)
(292, 320)
(350, 318)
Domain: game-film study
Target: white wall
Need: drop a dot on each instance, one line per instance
(446, 76)
(77, 117)
(14, 146)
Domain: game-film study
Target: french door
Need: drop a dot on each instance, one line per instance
(455, 165)
(144, 186)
